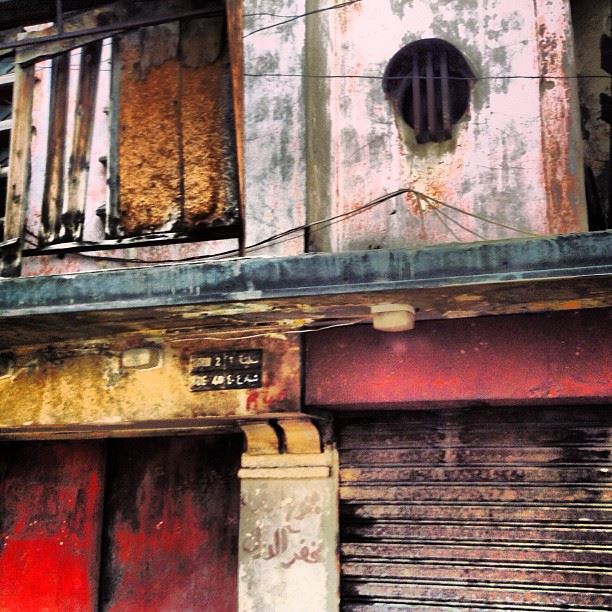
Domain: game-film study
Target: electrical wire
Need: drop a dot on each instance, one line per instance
(274, 333)
(276, 238)
(463, 227)
(448, 228)
(302, 15)
(450, 78)
(477, 216)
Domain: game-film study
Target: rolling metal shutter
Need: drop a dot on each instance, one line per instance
(479, 509)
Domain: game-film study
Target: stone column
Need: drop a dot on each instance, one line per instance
(288, 520)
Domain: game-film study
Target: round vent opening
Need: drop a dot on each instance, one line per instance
(429, 83)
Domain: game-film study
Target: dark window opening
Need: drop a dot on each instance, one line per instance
(593, 49)
(7, 76)
(429, 82)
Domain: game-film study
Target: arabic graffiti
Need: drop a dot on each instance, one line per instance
(288, 539)
(280, 544)
(300, 508)
(292, 508)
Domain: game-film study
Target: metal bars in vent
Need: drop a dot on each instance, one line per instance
(479, 509)
(428, 82)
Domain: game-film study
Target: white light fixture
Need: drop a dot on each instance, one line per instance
(393, 317)
(144, 358)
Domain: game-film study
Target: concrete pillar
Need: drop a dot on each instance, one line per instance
(288, 521)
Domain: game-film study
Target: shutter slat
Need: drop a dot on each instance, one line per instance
(451, 510)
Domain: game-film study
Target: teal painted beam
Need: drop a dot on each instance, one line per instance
(317, 274)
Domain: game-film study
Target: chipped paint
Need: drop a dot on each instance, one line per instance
(85, 382)
(514, 157)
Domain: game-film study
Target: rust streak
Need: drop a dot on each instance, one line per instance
(564, 212)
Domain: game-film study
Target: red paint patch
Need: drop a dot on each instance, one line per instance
(172, 525)
(50, 509)
(503, 359)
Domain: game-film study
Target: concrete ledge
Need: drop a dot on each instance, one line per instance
(247, 279)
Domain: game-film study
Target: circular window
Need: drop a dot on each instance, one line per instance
(429, 83)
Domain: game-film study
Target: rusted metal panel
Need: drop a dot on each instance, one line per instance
(50, 515)
(171, 526)
(177, 147)
(495, 360)
(91, 384)
(472, 508)
(207, 126)
(149, 120)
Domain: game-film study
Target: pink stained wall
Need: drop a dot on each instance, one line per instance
(515, 156)
(322, 141)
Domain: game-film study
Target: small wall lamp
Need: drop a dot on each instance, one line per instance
(143, 358)
(393, 317)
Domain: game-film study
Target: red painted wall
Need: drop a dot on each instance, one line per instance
(140, 524)
(171, 528)
(553, 357)
(50, 513)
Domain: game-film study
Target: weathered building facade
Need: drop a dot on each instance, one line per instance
(306, 305)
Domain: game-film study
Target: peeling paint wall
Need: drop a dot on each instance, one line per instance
(90, 383)
(287, 551)
(275, 128)
(321, 141)
(514, 157)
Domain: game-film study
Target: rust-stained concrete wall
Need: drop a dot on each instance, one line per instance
(317, 146)
(88, 384)
(515, 156)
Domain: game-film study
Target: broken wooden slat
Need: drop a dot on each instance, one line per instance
(19, 170)
(78, 170)
(111, 221)
(98, 23)
(54, 173)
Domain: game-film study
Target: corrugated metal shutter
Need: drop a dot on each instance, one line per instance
(480, 509)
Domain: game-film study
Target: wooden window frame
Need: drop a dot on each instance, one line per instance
(79, 30)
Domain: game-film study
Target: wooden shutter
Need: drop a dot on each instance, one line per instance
(492, 509)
